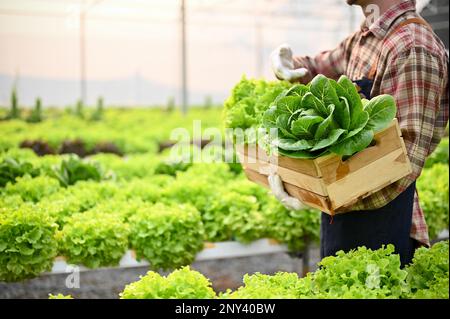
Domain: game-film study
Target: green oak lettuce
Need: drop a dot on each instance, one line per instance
(183, 283)
(168, 236)
(282, 285)
(248, 100)
(428, 274)
(432, 186)
(27, 243)
(94, 239)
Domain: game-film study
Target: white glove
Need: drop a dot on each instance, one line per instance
(283, 64)
(277, 188)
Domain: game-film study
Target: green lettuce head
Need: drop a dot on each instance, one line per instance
(326, 116)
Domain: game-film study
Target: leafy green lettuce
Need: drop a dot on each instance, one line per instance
(326, 116)
(180, 284)
(432, 186)
(428, 274)
(27, 243)
(248, 100)
(168, 236)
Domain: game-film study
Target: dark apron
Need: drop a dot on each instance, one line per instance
(390, 224)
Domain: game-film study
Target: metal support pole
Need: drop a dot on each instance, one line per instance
(184, 93)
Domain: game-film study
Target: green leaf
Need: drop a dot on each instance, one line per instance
(289, 104)
(270, 117)
(298, 154)
(294, 145)
(329, 140)
(382, 111)
(323, 89)
(354, 100)
(326, 125)
(297, 90)
(183, 283)
(354, 144)
(363, 119)
(344, 113)
(282, 123)
(304, 126)
(309, 101)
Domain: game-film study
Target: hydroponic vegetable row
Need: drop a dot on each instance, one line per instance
(129, 130)
(361, 273)
(66, 210)
(91, 211)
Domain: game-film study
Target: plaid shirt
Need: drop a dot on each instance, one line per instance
(411, 66)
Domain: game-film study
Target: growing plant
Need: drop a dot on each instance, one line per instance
(36, 114)
(168, 236)
(440, 154)
(59, 296)
(14, 113)
(326, 116)
(94, 239)
(61, 206)
(27, 243)
(432, 186)
(428, 274)
(248, 222)
(243, 186)
(180, 284)
(90, 193)
(248, 101)
(98, 113)
(171, 167)
(259, 286)
(11, 168)
(79, 109)
(74, 169)
(291, 227)
(10, 202)
(359, 274)
(134, 166)
(120, 207)
(230, 215)
(19, 154)
(33, 189)
(146, 189)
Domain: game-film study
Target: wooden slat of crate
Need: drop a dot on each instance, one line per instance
(332, 167)
(307, 197)
(363, 182)
(307, 182)
(255, 154)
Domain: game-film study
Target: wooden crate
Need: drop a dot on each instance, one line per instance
(329, 183)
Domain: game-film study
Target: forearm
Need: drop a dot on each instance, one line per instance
(330, 63)
(320, 64)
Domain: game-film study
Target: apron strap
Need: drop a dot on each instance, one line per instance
(418, 20)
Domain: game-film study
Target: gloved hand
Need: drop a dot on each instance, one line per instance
(277, 188)
(283, 64)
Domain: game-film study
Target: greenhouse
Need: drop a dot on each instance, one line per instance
(293, 176)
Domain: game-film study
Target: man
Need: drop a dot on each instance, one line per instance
(396, 53)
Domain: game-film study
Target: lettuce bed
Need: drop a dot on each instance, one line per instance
(358, 274)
